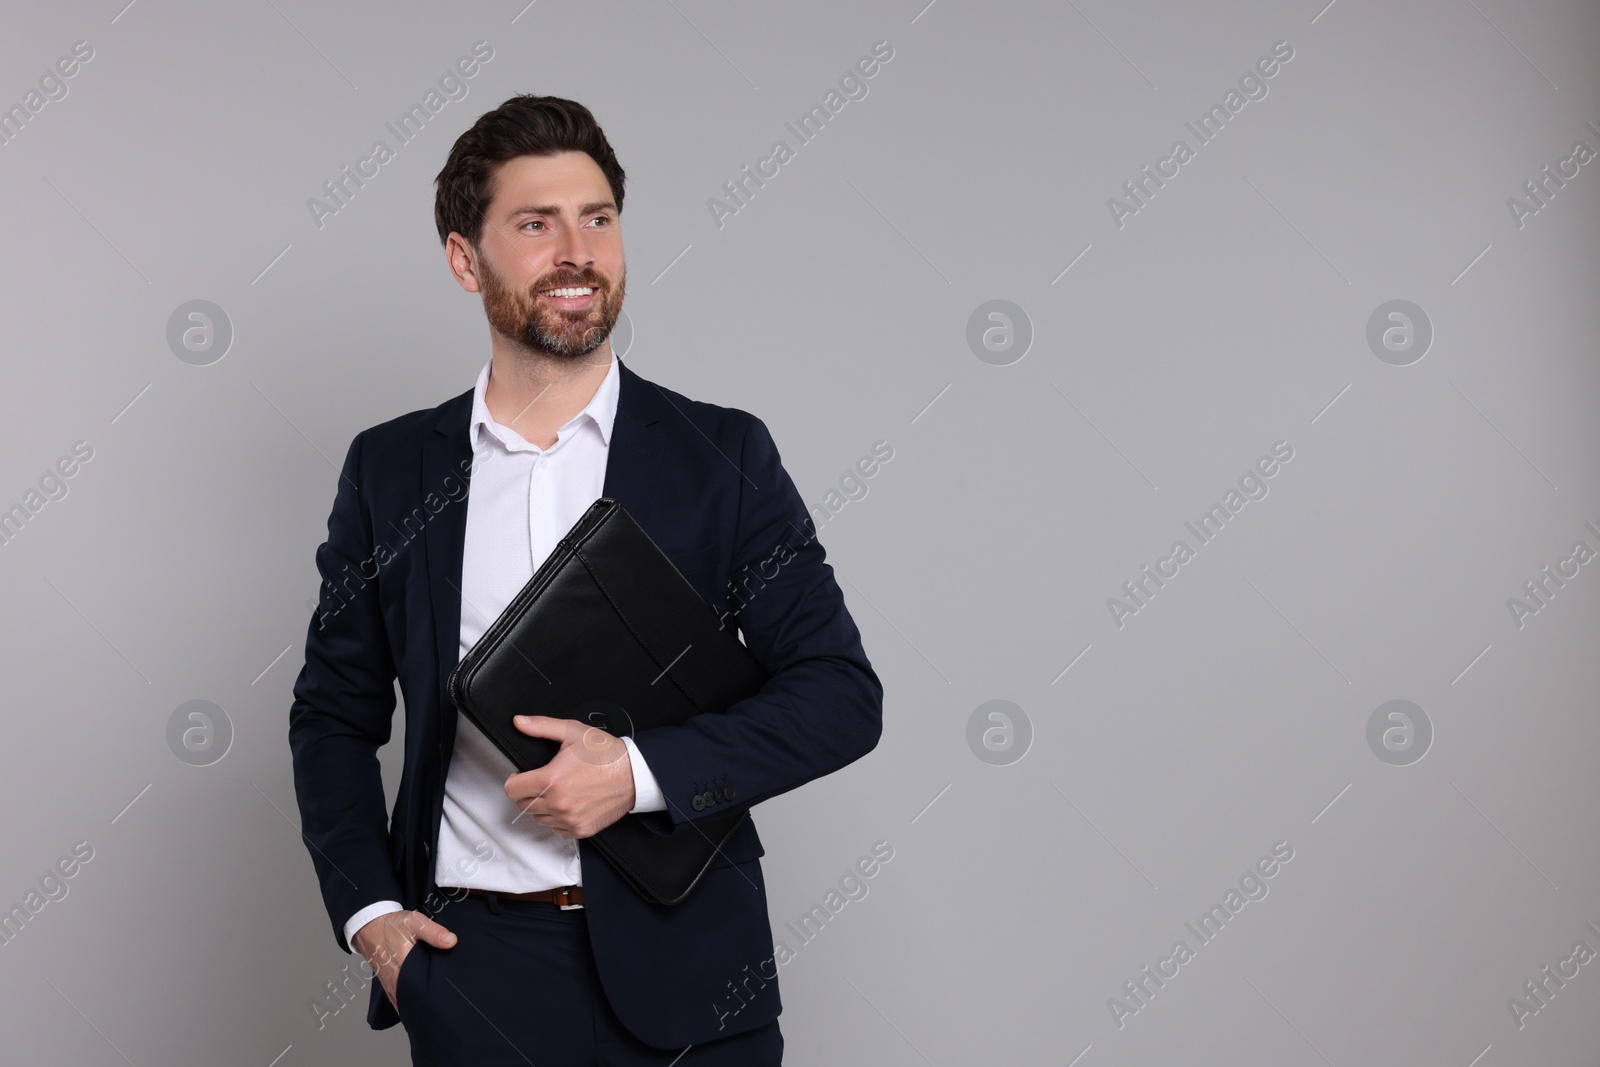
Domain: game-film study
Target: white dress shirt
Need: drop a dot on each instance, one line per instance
(521, 501)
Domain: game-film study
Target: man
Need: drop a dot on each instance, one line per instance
(466, 901)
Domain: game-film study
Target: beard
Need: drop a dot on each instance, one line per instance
(543, 328)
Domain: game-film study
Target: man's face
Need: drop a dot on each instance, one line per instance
(552, 225)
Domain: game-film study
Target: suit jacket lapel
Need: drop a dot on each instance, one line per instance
(634, 455)
(447, 452)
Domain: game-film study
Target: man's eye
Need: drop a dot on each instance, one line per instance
(601, 219)
(533, 222)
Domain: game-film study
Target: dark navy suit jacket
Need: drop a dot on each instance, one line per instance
(707, 484)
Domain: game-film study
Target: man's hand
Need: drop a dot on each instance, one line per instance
(586, 788)
(388, 939)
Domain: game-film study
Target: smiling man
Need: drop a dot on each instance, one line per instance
(498, 934)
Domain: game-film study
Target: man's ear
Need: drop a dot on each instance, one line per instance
(462, 259)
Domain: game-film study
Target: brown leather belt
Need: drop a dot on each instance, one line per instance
(566, 896)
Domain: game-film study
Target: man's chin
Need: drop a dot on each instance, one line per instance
(569, 348)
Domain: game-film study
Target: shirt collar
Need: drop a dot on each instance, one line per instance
(601, 409)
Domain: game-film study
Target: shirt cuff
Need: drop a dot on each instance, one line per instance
(646, 791)
(366, 915)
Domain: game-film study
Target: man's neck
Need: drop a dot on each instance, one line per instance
(536, 394)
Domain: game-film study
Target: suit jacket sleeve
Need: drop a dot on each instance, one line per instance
(343, 707)
(822, 707)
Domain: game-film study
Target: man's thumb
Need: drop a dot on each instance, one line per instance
(438, 936)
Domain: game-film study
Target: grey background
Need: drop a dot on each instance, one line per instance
(1229, 314)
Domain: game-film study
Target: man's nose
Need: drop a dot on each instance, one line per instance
(574, 248)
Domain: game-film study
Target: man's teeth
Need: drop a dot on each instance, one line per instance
(568, 292)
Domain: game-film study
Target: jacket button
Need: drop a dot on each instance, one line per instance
(711, 798)
(722, 794)
(729, 792)
(699, 802)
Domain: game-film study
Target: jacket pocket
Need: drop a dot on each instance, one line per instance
(743, 846)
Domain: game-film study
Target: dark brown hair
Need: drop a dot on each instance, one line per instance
(522, 126)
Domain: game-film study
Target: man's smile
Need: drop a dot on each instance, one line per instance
(573, 297)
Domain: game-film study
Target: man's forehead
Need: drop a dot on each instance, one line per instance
(551, 183)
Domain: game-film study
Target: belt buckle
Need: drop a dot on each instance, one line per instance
(565, 893)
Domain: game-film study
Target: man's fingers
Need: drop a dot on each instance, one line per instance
(569, 732)
(529, 785)
(547, 726)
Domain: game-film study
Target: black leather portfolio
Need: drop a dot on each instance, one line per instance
(608, 632)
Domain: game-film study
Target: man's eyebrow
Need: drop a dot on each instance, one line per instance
(551, 209)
